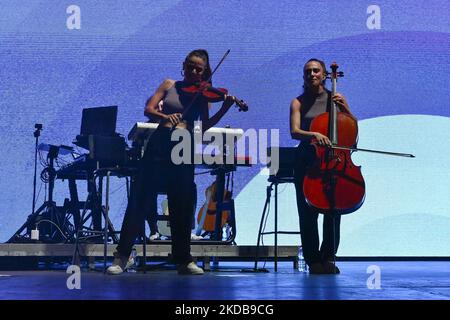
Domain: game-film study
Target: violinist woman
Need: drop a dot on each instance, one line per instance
(316, 99)
(179, 112)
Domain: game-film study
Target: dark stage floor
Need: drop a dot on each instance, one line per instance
(407, 280)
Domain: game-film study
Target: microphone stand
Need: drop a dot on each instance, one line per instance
(36, 134)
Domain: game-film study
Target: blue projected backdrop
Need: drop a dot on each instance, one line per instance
(58, 57)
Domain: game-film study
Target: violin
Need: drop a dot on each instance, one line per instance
(333, 184)
(212, 94)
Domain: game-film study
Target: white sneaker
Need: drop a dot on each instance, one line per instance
(120, 264)
(190, 268)
(154, 236)
(196, 237)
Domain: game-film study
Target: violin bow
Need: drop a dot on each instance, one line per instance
(338, 74)
(407, 155)
(218, 65)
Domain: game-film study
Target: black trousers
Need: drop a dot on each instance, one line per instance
(152, 215)
(308, 217)
(156, 171)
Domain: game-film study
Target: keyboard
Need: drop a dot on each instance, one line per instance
(142, 130)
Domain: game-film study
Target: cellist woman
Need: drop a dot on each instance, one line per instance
(315, 100)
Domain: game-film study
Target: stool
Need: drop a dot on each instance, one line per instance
(274, 182)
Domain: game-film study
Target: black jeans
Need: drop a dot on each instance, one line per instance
(308, 217)
(156, 171)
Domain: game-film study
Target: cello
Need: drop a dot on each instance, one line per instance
(333, 184)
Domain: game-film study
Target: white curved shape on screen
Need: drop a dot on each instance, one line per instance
(407, 206)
